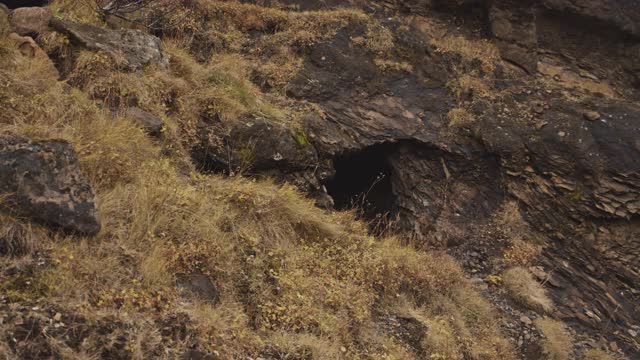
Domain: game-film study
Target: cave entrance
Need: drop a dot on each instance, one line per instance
(14, 4)
(363, 181)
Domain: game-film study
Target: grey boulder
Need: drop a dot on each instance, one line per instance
(41, 180)
(132, 49)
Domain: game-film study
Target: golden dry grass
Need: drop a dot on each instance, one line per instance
(294, 281)
(557, 343)
(524, 289)
(460, 117)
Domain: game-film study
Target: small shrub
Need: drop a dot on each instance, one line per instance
(522, 288)
(597, 354)
(521, 253)
(557, 343)
(460, 117)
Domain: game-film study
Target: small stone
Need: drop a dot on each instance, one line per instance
(538, 108)
(57, 317)
(613, 346)
(562, 133)
(343, 349)
(151, 124)
(591, 115)
(526, 320)
(540, 124)
(633, 333)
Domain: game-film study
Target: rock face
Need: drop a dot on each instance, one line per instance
(621, 14)
(131, 49)
(41, 180)
(30, 20)
(255, 145)
(568, 153)
(513, 24)
(152, 124)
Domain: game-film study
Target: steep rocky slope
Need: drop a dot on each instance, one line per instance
(504, 133)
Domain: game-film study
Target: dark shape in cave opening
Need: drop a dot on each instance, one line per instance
(363, 181)
(14, 4)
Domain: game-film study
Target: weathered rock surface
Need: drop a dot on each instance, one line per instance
(41, 180)
(152, 124)
(30, 21)
(513, 24)
(5, 24)
(30, 49)
(622, 14)
(131, 49)
(255, 145)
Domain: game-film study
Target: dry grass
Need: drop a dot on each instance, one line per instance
(460, 117)
(214, 27)
(294, 281)
(521, 253)
(597, 354)
(467, 86)
(557, 343)
(522, 288)
(482, 50)
(18, 238)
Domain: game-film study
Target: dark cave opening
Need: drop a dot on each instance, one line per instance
(14, 4)
(363, 181)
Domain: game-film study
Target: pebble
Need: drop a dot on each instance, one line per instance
(591, 115)
(562, 133)
(526, 320)
(632, 333)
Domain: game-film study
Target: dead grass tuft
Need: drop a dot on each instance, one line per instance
(460, 117)
(557, 343)
(18, 238)
(522, 288)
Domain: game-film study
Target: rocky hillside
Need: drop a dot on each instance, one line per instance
(296, 179)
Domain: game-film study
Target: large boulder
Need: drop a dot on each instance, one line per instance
(254, 145)
(131, 49)
(42, 180)
(30, 20)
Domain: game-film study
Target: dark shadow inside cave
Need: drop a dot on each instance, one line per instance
(363, 181)
(14, 4)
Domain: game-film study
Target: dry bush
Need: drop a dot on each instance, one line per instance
(597, 354)
(557, 343)
(482, 50)
(508, 220)
(522, 288)
(76, 10)
(460, 117)
(18, 238)
(467, 86)
(521, 253)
